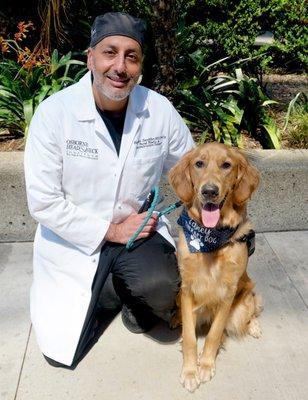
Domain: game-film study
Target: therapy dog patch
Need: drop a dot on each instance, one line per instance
(201, 239)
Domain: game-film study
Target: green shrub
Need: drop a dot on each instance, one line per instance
(296, 121)
(289, 24)
(218, 107)
(256, 118)
(27, 77)
(222, 28)
(207, 112)
(21, 89)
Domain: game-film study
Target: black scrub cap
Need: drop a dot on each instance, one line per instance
(117, 23)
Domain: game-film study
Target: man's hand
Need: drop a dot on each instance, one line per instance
(121, 233)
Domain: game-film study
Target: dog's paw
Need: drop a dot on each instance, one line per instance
(206, 371)
(254, 328)
(190, 379)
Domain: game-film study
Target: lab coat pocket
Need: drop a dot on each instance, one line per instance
(144, 174)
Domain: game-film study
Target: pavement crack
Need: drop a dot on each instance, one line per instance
(22, 363)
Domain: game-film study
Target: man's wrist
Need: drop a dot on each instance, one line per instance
(112, 233)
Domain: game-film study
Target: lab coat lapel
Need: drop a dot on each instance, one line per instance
(136, 111)
(102, 132)
(131, 127)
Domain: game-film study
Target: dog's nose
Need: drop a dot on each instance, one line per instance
(209, 191)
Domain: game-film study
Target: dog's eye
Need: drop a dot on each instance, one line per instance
(199, 164)
(226, 165)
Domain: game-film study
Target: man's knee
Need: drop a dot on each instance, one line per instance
(157, 290)
(148, 275)
(162, 294)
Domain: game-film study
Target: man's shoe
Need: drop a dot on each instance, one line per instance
(130, 321)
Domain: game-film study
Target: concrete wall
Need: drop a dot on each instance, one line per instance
(281, 203)
(15, 222)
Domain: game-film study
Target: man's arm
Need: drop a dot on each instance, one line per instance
(46, 201)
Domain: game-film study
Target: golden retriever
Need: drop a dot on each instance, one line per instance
(214, 182)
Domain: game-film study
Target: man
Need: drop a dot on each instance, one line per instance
(94, 152)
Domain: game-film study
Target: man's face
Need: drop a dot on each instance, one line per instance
(116, 63)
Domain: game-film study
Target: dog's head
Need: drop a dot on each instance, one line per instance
(213, 176)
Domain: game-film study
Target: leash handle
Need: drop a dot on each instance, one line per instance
(149, 205)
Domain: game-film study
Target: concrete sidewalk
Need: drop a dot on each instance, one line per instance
(127, 366)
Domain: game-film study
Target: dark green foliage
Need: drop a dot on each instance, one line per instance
(22, 90)
(256, 118)
(229, 28)
(217, 103)
(297, 121)
(220, 106)
(289, 22)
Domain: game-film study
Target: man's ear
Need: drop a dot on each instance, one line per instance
(139, 79)
(248, 179)
(180, 179)
(89, 58)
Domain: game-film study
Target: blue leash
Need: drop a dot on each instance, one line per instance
(165, 211)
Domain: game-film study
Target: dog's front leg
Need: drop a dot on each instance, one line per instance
(189, 375)
(212, 343)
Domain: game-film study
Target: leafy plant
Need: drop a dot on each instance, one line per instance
(213, 118)
(256, 120)
(297, 121)
(220, 107)
(29, 80)
(209, 116)
(22, 90)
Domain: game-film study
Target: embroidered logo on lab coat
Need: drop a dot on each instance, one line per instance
(79, 148)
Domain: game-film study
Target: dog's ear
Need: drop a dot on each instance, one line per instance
(180, 179)
(248, 179)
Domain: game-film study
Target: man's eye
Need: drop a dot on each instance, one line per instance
(132, 57)
(199, 164)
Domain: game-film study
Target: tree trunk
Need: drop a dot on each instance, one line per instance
(163, 21)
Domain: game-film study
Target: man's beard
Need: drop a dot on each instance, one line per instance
(110, 93)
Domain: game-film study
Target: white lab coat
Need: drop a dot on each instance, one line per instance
(76, 185)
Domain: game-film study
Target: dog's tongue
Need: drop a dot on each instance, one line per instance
(210, 215)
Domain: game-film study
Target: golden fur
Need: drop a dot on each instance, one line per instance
(215, 286)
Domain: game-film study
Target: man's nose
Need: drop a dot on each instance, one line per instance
(119, 64)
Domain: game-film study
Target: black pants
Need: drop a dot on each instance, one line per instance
(145, 278)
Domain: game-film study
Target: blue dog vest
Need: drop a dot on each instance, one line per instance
(201, 239)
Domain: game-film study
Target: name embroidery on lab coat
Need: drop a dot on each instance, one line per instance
(78, 148)
(149, 142)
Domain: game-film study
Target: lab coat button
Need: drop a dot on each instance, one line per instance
(93, 260)
(120, 207)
